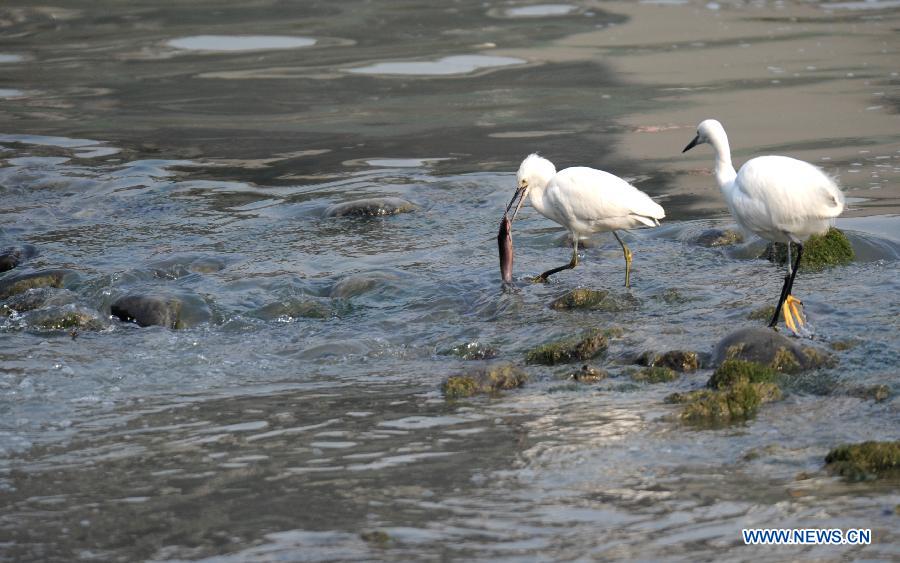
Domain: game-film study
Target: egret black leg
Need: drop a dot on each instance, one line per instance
(572, 263)
(788, 283)
(628, 255)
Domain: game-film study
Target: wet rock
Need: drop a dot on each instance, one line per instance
(12, 257)
(26, 301)
(841, 345)
(594, 300)
(763, 314)
(294, 309)
(819, 251)
(735, 391)
(485, 380)
(358, 284)
(471, 351)
(23, 282)
(672, 296)
(769, 348)
(67, 317)
(371, 207)
(207, 265)
(655, 375)
(678, 360)
(867, 460)
(590, 345)
(877, 393)
(175, 312)
(589, 374)
(719, 237)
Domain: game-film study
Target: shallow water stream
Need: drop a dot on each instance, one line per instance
(296, 413)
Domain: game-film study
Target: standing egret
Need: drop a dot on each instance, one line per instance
(779, 198)
(584, 201)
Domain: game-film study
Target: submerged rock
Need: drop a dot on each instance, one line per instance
(877, 393)
(589, 374)
(764, 313)
(294, 309)
(867, 460)
(471, 351)
(23, 282)
(830, 249)
(371, 207)
(358, 284)
(655, 374)
(67, 317)
(719, 237)
(590, 345)
(486, 380)
(175, 312)
(594, 300)
(12, 257)
(678, 360)
(769, 348)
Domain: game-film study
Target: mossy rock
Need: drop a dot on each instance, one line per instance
(769, 348)
(655, 374)
(719, 237)
(820, 251)
(678, 360)
(590, 345)
(763, 314)
(584, 299)
(371, 207)
(736, 403)
(867, 460)
(23, 282)
(471, 351)
(486, 380)
(732, 372)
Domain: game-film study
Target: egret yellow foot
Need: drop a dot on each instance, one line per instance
(794, 319)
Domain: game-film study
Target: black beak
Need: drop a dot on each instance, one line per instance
(520, 192)
(692, 144)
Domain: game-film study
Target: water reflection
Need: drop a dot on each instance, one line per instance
(225, 43)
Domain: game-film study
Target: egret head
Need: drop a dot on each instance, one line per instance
(534, 172)
(708, 130)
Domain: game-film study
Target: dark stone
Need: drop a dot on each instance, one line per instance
(12, 257)
(589, 374)
(23, 282)
(769, 348)
(175, 312)
(371, 207)
(594, 300)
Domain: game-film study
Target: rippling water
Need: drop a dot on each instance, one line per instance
(194, 151)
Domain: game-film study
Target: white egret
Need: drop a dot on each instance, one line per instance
(779, 198)
(584, 201)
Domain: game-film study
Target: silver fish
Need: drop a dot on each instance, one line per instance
(504, 243)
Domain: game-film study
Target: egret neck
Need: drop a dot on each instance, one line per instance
(725, 173)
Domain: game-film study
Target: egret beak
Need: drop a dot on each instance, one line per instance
(519, 206)
(692, 144)
(520, 193)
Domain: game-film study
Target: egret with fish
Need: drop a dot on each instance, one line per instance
(779, 198)
(584, 201)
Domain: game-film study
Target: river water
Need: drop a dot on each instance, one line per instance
(192, 150)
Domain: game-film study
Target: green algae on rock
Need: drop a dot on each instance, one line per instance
(590, 345)
(678, 360)
(588, 374)
(867, 460)
(655, 374)
(735, 391)
(487, 380)
(719, 237)
(65, 318)
(593, 300)
(820, 251)
(769, 348)
(23, 282)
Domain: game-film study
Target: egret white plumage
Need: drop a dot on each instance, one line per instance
(584, 201)
(779, 198)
